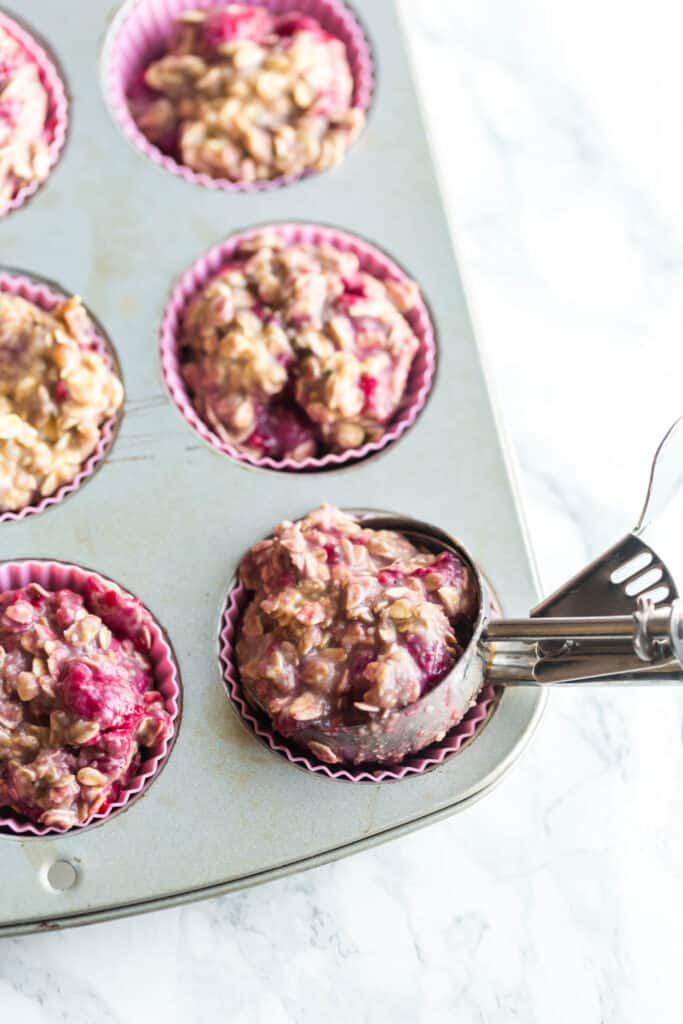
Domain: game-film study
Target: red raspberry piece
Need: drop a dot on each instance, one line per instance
(368, 386)
(433, 660)
(98, 696)
(331, 554)
(289, 24)
(256, 440)
(61, 391)
(236, 21)
(354, 291)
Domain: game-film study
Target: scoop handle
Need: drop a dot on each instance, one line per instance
(647, 629)
(666, 476)
(643, 647)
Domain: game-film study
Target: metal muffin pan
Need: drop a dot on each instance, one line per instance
(168, 517)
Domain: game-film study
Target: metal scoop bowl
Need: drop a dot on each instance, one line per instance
(573, 637)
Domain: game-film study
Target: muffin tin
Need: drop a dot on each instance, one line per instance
(168, 517)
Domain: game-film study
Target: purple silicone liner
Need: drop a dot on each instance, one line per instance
(260, 726)
(141, 34)
(42, 296)
(58, 576)
(57, 114)
(374, 262)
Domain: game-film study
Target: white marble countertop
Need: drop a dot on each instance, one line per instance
(559, 897)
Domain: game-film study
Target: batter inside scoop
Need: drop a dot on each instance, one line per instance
(293, 351)
(77, 701)
(24, 155)
(248, 95)
(56, 393)
(347, 624)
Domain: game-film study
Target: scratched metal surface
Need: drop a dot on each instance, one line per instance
(168, 517)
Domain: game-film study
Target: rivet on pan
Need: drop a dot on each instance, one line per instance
(60, 876)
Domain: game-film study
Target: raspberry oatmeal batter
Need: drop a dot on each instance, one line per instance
(77, 703)
(293, 351)
(248, 95)
(56, 392)
(24, 154)
(347, 625)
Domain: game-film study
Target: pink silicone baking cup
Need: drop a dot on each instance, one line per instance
(58, 576)
(58, 111)
(39, 293)
(140, 35)
(374, 262)
(261, 727)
